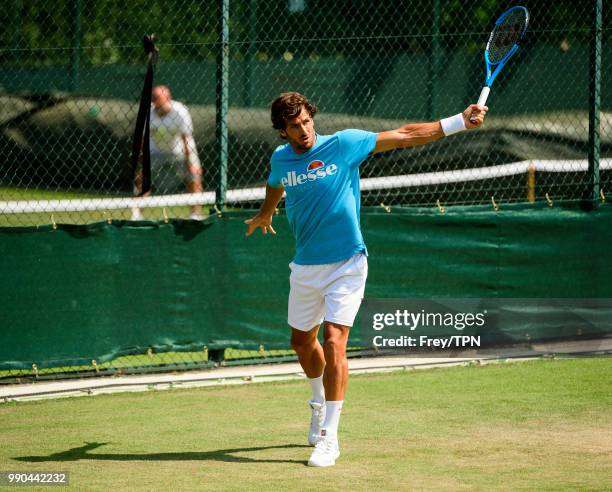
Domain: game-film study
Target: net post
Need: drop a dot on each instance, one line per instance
(591, 193)
(531, 183)
(222, 99)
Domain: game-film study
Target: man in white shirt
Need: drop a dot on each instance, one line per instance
(174, 156)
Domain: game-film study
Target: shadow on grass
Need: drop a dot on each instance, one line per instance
(226, 455)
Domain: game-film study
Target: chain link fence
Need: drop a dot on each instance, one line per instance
(72, 73)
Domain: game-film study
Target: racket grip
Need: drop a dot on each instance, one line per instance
(484, 94)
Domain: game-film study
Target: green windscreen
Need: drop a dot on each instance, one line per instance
(83, 292)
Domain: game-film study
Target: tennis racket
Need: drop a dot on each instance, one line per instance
(503, 42)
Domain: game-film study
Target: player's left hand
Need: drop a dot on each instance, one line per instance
(263, 222)
(474, 116)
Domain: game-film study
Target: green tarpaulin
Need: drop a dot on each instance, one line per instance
(77, 293)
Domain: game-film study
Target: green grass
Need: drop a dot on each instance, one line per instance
(88, 217)
(539, 425)
(16, 194)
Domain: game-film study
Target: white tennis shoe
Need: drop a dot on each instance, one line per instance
(326, 451)
(316, 421)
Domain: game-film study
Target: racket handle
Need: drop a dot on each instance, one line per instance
(484, 94)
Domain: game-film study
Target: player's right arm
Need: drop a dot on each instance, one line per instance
(263, 219)
(414, 134)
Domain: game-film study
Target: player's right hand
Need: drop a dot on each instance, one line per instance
(474, 116)
(264, 222)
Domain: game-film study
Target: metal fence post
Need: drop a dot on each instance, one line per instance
(15, 24)
(249, 58)
(591, 197)
(435, 60)
(221, 99)
(75, 54)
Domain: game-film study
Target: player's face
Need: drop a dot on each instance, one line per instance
(161, 101)
(300, 132)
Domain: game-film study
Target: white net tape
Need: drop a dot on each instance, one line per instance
(255, 194)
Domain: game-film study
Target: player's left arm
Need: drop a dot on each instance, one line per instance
(414, 134)
(186, 149)
(191, 168)
(186, 129)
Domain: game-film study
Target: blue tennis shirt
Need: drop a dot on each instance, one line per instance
(322, 195)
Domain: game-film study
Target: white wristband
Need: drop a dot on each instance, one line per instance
(454, 124)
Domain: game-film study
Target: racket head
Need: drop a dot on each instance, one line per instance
(508, 31)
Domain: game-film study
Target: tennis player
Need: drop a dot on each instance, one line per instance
(320, 176)
(174, 156)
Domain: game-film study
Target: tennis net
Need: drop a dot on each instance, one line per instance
(375, 191)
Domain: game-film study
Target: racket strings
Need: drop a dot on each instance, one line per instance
(506, 34)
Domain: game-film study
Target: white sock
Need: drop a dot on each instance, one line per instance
(332, 417)
(318, 390)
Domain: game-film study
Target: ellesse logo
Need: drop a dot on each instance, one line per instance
(314, 165)
(315, 170)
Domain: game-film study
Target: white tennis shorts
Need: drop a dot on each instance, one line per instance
(331, 292)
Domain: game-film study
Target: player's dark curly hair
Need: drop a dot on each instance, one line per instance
(287, 106)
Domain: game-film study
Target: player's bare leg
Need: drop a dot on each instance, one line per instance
(312, 360)
(136, 212)
(309, 351)
(335, 379)
(194, 185)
